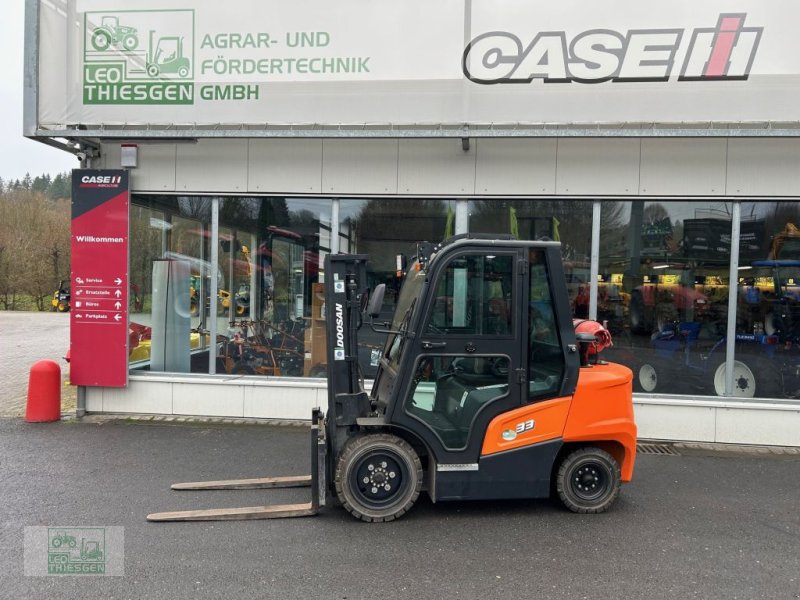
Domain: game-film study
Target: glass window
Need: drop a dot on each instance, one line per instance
(449, 391)
(663, 291)
(564, 220)
(270, 307)
(473, 296)
(545, 356)
(385, 228)
(272, 251)
(767, 352)
(176, 229)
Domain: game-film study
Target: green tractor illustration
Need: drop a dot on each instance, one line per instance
(62, 539)
(111, 33)
(166, 57)
(91, 551)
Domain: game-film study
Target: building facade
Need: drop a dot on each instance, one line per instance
(661, 150)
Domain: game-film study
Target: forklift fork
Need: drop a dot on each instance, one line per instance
(317, 482)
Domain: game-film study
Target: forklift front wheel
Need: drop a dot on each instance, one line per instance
(588, 480)
(378, 477)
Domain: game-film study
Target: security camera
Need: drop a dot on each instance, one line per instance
(81, 156)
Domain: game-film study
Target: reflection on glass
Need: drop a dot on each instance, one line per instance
(566, 221)
(663, 291)
(767, 359)
(385, 228)
(269, 316)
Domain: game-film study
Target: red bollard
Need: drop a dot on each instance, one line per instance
(44, 392)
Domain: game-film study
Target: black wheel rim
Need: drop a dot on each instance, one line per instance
(378, 479)
(589, 480)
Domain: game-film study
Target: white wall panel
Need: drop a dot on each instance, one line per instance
(670, 422)
(515, 166)
(139, 397)
(598, 166)
(359, 166)
(110, 157)
(94, 399)
(156, 170)
(280, 402)
(212, 166)
(285, 166)
(683, 167)
(774, 427)
(211, 399)
(436, 167)
(763, 167)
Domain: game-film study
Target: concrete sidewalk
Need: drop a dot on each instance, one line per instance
(26, 337)
(688, 526)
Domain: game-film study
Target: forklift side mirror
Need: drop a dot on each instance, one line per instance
(376, 301)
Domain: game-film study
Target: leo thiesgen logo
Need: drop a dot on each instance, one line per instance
(725, 52)
(101, 181)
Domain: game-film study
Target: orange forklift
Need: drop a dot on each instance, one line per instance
(484, 391)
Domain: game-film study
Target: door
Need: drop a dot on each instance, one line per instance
(466, 358)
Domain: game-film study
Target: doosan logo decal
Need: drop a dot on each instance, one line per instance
(101, 181)
(725, 52)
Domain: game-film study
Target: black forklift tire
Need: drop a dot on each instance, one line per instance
(378, 477)
(588, 480)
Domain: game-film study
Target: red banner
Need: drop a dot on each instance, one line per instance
(99, 311)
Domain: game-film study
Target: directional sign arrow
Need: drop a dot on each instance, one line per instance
(117, 317)
(118, 281)
(118, 305)
(118, 293)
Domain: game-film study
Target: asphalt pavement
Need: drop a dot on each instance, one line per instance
(691, 526)
(26, 337)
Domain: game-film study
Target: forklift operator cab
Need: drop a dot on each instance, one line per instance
(480, 393)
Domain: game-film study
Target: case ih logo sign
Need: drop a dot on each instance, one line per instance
(98, 181)
(724, 52)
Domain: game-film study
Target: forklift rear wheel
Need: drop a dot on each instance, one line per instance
(378, 477)
(152, 70)
(588, 480)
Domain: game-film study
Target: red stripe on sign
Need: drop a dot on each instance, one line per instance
(723, 47)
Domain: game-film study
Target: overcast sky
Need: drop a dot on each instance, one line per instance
(17, 154)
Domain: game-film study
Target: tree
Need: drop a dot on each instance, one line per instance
(60, 187)
(41, 183)
(26, 181)
(34, 247)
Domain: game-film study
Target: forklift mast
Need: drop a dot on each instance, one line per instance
(345, 291)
